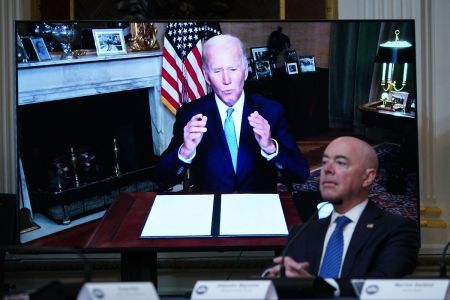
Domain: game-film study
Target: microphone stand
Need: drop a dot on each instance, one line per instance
(443, 263)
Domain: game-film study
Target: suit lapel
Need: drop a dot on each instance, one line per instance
(317, 244)
(363, 230)
(245, 139)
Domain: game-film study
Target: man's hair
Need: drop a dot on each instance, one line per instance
(223, 39)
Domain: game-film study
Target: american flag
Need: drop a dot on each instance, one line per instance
(182, 77)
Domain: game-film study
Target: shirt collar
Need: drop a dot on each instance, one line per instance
(238, 106)
(353, 214)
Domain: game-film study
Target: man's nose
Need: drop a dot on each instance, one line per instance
(226, 79)
(328, 168)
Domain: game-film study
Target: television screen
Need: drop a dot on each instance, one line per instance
(93, 116)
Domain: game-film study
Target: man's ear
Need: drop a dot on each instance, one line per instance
(205, 74)
(369, 177)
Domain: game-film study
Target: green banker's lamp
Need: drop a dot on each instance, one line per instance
(393, 54)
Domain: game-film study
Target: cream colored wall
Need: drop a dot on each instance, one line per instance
(432, 65)
(10, 10)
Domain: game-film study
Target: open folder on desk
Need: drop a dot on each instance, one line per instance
(215, 215)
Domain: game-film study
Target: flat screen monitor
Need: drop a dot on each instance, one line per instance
(91, 122)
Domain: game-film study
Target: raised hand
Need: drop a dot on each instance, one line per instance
(192, 135)
(261, 128)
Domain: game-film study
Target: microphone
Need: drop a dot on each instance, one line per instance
(300, 232)
(443, 263)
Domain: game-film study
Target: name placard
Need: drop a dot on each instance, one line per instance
(234, 289)
(407, 289)
(118, 291)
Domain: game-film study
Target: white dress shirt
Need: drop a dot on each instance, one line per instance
(237, 119)
(353, 214)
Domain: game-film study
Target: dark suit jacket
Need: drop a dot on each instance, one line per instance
(383, 245)
(212, 169)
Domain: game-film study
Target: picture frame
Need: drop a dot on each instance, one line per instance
(40, 48)
(292, 68)
(307, 63)
(290, 56)
(109, 41)
(260, 53)
(262, 69)
(399, 100)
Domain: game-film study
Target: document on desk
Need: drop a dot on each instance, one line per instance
(221, 215)
(252, 214)
(179, 216)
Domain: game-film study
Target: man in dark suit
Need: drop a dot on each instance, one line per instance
(373, 243)
(244, 157)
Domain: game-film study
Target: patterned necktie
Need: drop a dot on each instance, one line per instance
(331, 263)
(230, 135)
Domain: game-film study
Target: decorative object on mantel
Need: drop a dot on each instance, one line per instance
(278, 42)
(143, 37)
(64, 33)
(45, 31)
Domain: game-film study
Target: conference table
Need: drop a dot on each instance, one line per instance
(120, 229)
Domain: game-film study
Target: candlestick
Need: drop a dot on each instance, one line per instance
(405, 71)
(389, 72)
(383, 77)
(116, 151)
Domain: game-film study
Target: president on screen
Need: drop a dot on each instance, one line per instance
(231, 141)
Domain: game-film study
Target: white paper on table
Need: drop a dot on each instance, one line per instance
(179, 215)
(252, 214)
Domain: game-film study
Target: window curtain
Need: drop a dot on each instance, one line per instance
(352, 53)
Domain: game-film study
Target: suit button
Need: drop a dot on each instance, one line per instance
(180, 170)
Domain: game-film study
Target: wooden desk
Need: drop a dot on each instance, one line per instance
(402, 128)
(121, 227)
(396, 120)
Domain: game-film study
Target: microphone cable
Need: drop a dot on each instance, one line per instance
(87, 272)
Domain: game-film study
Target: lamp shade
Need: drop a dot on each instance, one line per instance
(395, 55)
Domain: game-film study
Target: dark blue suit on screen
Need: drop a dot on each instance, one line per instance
(212, 170)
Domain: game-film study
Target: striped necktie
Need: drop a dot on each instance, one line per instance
(332, 260)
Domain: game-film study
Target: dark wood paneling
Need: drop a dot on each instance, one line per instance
(55, 10)
(305, 9)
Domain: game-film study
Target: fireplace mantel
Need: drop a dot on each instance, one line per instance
(89, 75)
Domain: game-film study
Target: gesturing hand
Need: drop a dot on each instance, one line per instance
(192, 135)
(261, 128)
(292, 268)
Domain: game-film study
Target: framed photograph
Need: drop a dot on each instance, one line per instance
(307, 63)
(109, 41)
(40, 48)
(290, 56)
(260, 53)
(262, 69)
(292, 68)
(399, 100)
(35, 48)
